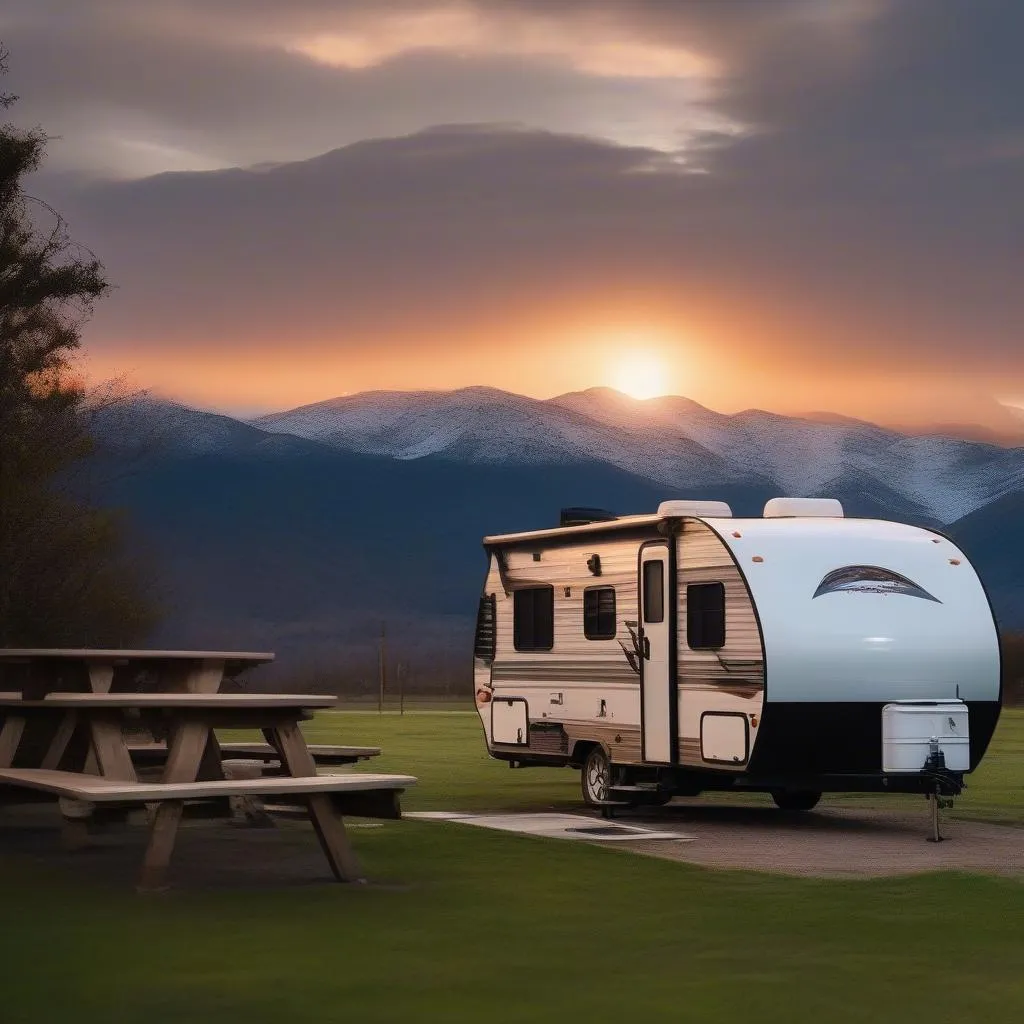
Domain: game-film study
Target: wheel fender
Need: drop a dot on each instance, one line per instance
(580, 749)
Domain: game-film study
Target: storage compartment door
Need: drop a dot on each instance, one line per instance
(724, 738)
(510, 721)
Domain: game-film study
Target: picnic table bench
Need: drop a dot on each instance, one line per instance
(155, 754)
(192, 769)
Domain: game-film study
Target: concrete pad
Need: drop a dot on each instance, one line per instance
(558, 826)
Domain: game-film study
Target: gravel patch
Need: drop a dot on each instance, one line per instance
(830, 842)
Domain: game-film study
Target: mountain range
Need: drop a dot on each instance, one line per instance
(304, 531)
(671, 441)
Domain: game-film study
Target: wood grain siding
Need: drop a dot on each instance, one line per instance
(621, 742)
(727, 680)
(565, 670)
(589, 687)
(564, 567)
(586, 685)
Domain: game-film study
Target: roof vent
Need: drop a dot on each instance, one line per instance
(710, 509)
(781, 508)
(582, 516)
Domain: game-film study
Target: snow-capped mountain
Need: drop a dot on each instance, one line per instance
(149, 425)
(303, 544)
(673, 441)
(485, 425)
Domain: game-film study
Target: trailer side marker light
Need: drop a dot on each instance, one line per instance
(936, 540)
(757, 558)
(954, 561)
(736, 533)
(753, 721)
(483, 696)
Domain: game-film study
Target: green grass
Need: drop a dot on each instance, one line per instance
(446, 753)
(469, 925)
(501, 928)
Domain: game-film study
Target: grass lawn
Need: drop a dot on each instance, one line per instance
(470, 925)
(514, 929)
(446, 753)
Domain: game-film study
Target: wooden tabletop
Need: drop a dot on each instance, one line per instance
(174, 700)
(99, 654)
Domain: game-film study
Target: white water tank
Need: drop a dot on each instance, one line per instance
(909, 726)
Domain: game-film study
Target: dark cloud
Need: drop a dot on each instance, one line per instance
(862, 195)
(465, 227)
(218, 81)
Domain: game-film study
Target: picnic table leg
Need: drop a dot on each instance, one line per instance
(185, 751)
(327, 821)
(203, 676)
(101, 676)
(110, 748)
(184, 756)
(10, 738)
(162, 834)
(108, 755)
(60, 742)
(74, 827)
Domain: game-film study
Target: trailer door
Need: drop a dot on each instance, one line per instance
(656, 701)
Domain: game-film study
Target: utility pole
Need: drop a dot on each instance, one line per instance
(380, 696)
(401, 688)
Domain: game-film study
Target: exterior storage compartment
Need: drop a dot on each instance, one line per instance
(908, 727)
(724, 737)
(510, 721)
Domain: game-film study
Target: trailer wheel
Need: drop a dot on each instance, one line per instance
(596, 776)
(795, 799)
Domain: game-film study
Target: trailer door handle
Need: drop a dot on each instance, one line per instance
(647, 648)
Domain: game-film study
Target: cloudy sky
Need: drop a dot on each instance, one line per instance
(791, 204)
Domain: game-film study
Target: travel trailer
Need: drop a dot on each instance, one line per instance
(797, 653)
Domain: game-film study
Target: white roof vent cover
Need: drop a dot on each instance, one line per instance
(711, 509)
(779, 508)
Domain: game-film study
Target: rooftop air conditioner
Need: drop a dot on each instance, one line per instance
(780, 508)
(708, 509)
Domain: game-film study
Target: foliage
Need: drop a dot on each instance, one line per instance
(64, 579)
(1013, 669)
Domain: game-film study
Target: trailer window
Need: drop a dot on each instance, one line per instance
(533, 619)
(484, 646)
(599, 613)
(654, 591)
(705, 616)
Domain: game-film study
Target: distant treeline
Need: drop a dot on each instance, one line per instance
(1013, 669)
(420, 672)
(424, 673)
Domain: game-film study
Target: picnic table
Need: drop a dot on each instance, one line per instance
(103, 770)
(34, 672)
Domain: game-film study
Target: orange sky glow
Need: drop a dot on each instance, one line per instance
(721, 201)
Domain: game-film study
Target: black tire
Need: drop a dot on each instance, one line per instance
(596, 777)
(795, 799)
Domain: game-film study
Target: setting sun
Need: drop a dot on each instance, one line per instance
(641, 375)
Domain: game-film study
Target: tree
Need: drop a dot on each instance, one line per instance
(65, 577)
